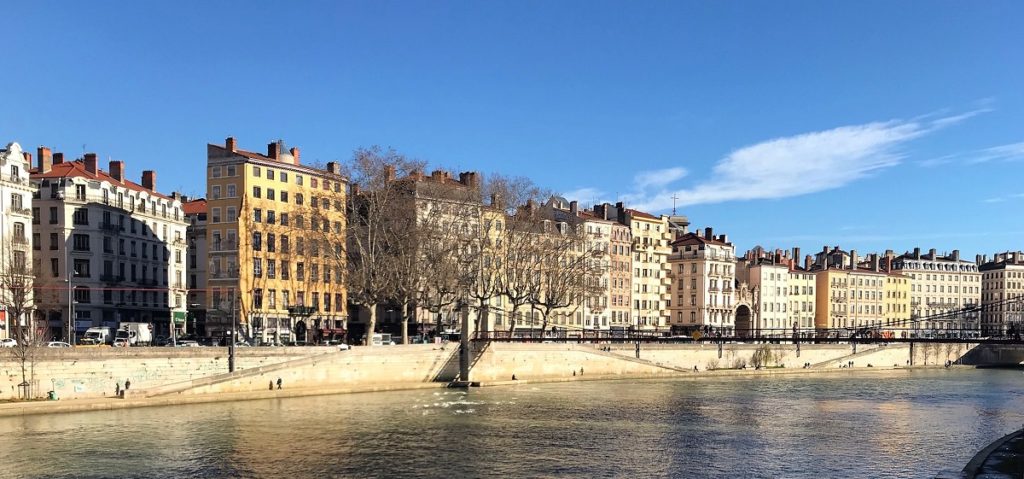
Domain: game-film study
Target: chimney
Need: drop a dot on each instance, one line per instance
(334, 167)
(90, 162)
(777, 259)
(978, 260)
(796, 254)
(230, 145)
(27, 157)
(437, 175)
(917, 253)
(724, 238)
(389, 173)
(149, 180)
(888, 263)
(574, 208)
(854, 259)
(45, 159)
(295, 154)
(875, 264)
(931, 254)
(956, 255)
(117, 171)
(708, 233)
(58, 158)
(888, 253)
(807, 262)
(274, 149)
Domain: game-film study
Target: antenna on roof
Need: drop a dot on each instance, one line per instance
(674, 198)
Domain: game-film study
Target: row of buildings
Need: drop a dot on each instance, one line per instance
(265, 253)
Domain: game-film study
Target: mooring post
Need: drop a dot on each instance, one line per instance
(464, 345)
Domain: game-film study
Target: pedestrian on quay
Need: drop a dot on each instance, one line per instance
(279, 383)
(127, 384)
(271, 385)
(117, 389)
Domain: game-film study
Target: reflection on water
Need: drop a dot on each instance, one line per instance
(904, 424)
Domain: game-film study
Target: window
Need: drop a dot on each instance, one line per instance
(231, 170)
(215, 172)
(215, 192)
(270, 194)
(81, 242)
(55, 267)
(81, 216)
(257, 215)
(256, 192)
(80, 192)
(298, 179)
(271, 217)
(284, 196)
(284, 177)
(232, 191)
(82, 295)
(257, 267)
(284, 219)
(82, 268)
(257, 240)
(270, 174)
(271, 269)
(312, 183)
(272, 298)
(216, 215)
(53, 215)
(270, 242)
(257, 298)
(298, 198)
(232, 214)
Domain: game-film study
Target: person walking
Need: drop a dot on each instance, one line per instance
(117, 389)
(279, 383)
(127, 384)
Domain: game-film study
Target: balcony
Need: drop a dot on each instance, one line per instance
(111, 227)
(222, 246)
(231, 274)
(22, 211)
(20, 240)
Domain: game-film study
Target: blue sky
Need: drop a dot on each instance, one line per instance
(870, 125)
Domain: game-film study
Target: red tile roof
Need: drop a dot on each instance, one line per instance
(76, 169)
(195, 206)
(641, 214)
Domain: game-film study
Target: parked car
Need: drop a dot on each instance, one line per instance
(57, 344)
(8, 343)
(121, 343)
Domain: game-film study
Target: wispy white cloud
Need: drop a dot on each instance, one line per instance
(795, 165)
(1000, 199)
(585, 195)
(1008, 152)
(800, 164)
(658, 178)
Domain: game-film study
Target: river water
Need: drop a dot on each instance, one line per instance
(836, 425)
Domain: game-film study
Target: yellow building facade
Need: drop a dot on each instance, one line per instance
(276, 240)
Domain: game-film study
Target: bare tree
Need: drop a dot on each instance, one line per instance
(16, 297)
(377, 207)
(564, 275)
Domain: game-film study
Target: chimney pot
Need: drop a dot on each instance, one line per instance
(58, 158)
(931, 254)
(295, 154)
(45, 159)
(149, 180)
(90, 162)
(917, 253)
(117, 171)
(274, 150)
(230, 144)
(708, 233)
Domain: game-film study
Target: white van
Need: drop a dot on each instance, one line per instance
(382, 339)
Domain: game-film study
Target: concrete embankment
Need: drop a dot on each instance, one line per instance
(171, 376)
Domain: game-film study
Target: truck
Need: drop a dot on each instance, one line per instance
(97, 336)
(134, 334)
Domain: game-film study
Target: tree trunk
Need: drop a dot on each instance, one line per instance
(481, 321)
(544, 324)
(370, 326)
(405, 322)
(512, 321)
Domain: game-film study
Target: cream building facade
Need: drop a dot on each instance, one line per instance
(944, 292)
(703, 274)
(1002, 296)
(16, 193)
(109, 250)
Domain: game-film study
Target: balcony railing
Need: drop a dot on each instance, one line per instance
(219, 246)
(21, 211)
(111, 227)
